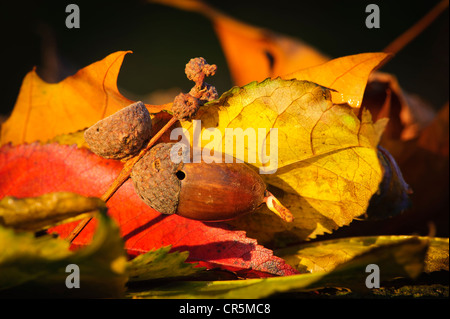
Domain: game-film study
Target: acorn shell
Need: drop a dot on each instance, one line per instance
(219, 191)
(122, 134)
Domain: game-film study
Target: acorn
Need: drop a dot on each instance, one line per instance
(201, 191)
(121, 135)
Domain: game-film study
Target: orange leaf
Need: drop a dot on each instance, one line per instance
(253, 53)
(347, 76)
(44, 110)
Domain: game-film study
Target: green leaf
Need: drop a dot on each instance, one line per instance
(36, 213)
(36, 266)
(160, 264)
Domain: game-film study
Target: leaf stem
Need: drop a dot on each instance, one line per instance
(409, 35)
(122, 177)
(275, 206)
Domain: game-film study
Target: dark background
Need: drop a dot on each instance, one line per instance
(163, 39)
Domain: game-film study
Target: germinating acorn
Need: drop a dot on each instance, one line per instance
(201, 191)
(122, 134)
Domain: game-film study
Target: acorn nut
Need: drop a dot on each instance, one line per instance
(122, 134)
(201, 191)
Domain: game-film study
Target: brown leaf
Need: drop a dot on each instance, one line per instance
(408, 114)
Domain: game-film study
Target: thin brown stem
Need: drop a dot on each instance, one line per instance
(409, 35)
(122, 177)
(276, 207)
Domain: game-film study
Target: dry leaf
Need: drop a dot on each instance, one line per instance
(45, 110)
(33, 266)
(326, 255)
(47, 210)
(408, 114)
(327, 168)
(253, 53)
(347, 76)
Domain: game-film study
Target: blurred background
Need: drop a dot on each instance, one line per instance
(163, 40)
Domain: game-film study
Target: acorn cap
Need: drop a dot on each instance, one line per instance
(122, 134)
(155, 180)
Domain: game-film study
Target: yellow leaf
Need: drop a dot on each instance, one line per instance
(327, 167)
(253, 53)
(325, 256)
(346, 75)
(45, 110)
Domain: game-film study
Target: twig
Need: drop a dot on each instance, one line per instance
(409, 35)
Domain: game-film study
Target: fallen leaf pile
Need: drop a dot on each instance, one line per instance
(351, 146)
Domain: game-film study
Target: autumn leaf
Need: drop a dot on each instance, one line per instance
(332, 167)
(417, 138)
(45, 110)
(435, 137)
(33, 266)
(424, 162)
(160, 264)
(327, 168)
(142, 228)
(409, 114)
(403, 258)
(346, 76)
(326, 255)
(49, 209)
(253, 53)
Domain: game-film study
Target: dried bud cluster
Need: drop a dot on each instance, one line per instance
(197, 69)
(205, 93)
(186, 105)
(122, 134)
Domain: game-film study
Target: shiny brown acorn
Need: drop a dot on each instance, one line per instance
(201, 191)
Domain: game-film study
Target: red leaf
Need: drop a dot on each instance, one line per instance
(34, 169)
